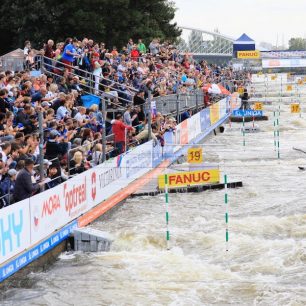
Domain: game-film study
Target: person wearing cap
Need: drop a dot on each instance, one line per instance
(24, 186)
(55, 147)
(7, 186)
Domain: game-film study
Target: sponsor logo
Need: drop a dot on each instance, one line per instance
(93, 185)
(74, 196)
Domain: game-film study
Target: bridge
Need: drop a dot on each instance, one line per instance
(205, 43)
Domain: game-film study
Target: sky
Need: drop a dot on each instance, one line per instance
(262, 20)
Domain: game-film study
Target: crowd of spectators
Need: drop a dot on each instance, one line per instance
(73, 133)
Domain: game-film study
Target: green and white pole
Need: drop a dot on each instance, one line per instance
(243, 126)
(226, 212)
(274, 124)
(278, 147)
(167, 212)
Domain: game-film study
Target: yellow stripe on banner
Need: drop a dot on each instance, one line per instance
(192, 178)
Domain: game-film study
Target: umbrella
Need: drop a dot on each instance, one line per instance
(216, 89)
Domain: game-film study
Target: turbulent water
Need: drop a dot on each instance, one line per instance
(265, 264)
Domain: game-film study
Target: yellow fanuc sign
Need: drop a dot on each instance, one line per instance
(255, 54)
(192, 178)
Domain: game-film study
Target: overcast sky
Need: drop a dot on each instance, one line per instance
(262, 20)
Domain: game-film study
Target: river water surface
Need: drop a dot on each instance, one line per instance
(265, 264)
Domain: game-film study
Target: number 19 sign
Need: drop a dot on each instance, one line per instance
(195, 156)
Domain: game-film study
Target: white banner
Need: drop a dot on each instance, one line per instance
(194, 126)
(137, 162)
(14, 229)
(284, 63)
(223, 107)
(56, 207)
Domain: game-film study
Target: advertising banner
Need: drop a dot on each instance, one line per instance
(157, 153)
(169, 141)
(104, 180)
(205, 119)
(194, 126)
(14, 229)
(247, 113)
(56, 207)
(137, 162)
(255, 54)
(284, 63)
(214, 113)
(184, 132)
(223, 107)
(35, 252)
(192, 178)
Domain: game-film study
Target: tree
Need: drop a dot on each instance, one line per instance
(110, 21)
(297, 44)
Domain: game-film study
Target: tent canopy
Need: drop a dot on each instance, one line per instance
(243, 43)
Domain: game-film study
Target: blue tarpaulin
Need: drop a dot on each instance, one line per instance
(89, 100)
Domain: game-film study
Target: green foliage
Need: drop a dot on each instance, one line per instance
(297, 44)
(110, 21)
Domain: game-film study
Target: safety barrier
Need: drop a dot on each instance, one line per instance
(31, 227)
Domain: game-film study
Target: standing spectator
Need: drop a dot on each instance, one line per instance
(26, 51)
(130, 45)
(154, 47)
(24, 186)
(141, 47)
(4, 105)
(97, 71)
(69, 54)
(207, 99)
(49, 54)
(119, 130)
(135, 53)
(127, 118)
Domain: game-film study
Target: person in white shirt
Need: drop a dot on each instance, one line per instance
(81, 115)
(5, 150)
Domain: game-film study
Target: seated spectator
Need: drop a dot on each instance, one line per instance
(7, 186)
(23, 119)
(56, 146)
(53, 176)
(97, 155)
(77, 164)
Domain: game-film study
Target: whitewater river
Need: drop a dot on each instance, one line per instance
(265, 264)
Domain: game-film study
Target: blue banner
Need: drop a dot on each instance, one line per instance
(45, 246)
(205, 119)
(247, 113)
(168, 148)
(157, 154)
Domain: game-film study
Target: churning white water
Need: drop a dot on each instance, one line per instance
(265, 264)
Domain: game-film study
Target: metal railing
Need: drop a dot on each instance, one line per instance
(57, 67)
(91, 144)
